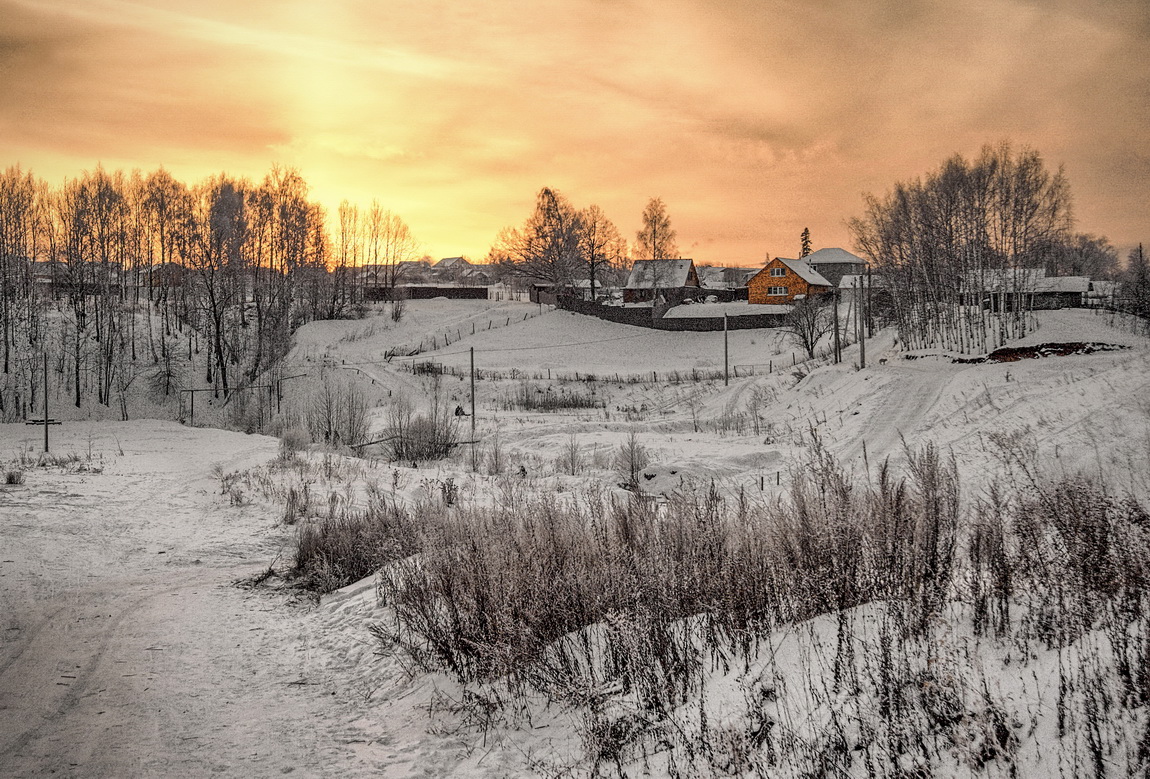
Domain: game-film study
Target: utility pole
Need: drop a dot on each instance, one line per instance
(46, 420)
(726, 355)
(473, 442)
(869, 322)
(861, 327)
(838, 345)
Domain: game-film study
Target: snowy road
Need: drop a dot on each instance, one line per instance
(901, 411)
(126, 648)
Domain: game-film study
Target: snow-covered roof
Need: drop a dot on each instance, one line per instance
(1004, 279)
(832, 256)
(1073, 284)
(805, 272)
(652, 274)
(451, 262)
(720, 277)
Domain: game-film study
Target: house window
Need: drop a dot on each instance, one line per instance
(778, 271)
(776, 290)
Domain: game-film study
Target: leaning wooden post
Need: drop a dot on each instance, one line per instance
(474, 450)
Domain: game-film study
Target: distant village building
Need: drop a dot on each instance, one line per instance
(782, 281)
(669, 279)
(833, 263)
(719, 277)
(1006, 289)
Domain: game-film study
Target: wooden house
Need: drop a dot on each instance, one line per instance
(652, 279)
(782, 281)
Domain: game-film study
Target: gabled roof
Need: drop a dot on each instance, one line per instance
(804, 272)
(452, 262)
(661, 274)
(832, 256)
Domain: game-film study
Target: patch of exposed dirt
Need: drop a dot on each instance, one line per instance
(1016, 353)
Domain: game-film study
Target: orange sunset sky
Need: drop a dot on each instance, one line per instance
(751, 120)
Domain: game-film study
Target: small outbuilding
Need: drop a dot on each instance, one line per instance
(1061, 292)
(650, 279)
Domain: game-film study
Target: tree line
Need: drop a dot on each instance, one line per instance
(960, 251)
(121, 275)
(561, 245)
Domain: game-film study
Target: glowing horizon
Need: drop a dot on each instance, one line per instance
(752, 120)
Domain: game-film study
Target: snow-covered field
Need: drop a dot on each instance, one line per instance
(130, 644)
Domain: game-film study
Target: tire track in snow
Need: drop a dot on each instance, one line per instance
(900, 414)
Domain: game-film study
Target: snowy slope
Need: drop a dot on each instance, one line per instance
(127, 650)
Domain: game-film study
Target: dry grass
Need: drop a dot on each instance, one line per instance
(623, 609)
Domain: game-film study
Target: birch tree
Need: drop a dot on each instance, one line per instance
(656, 239)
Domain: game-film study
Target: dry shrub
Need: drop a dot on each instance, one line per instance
(415, 437)
(1083, 556)
(349, 545)
(337, 413)
(293, 440)
(532, 397)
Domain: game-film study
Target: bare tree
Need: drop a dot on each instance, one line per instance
(547, 247)
(656, 239)
(1135, 291)
(1082, 255)
(389, 244)
(348, 260)
(630, 459)
(960, 250)
(24, 228)
(215, 254)
(600, 244)
(809, 319)
(337, 413)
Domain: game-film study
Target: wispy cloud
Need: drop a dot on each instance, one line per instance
(751, 119)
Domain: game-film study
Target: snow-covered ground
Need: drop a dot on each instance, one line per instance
(127, 648)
